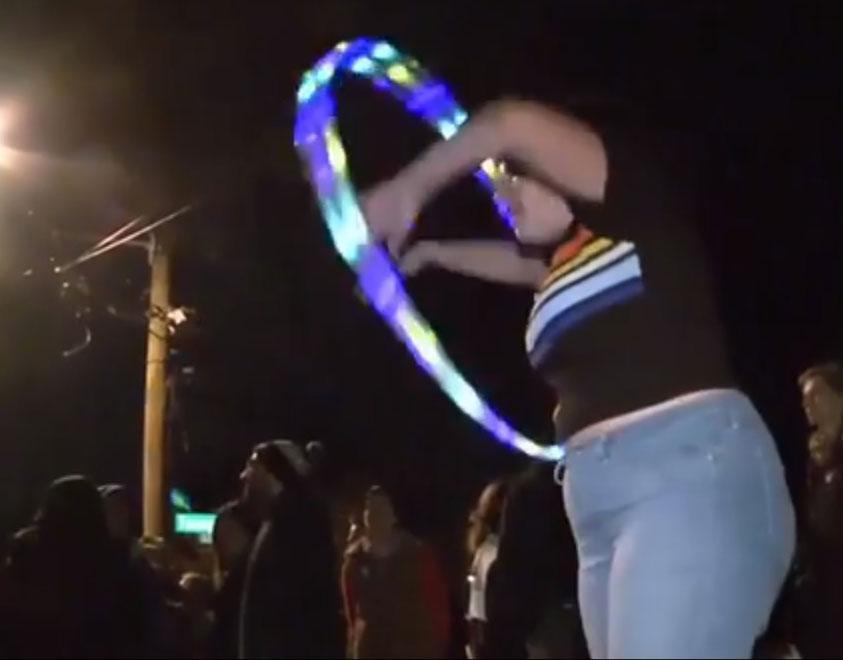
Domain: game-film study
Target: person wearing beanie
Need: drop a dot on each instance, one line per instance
(290, 606)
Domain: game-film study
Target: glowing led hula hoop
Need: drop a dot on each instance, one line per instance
(318, 142)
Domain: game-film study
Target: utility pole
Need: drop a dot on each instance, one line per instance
(155, 500)
(155, 520)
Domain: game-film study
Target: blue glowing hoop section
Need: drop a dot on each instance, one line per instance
(318, 143)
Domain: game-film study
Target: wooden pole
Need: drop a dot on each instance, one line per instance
(155, 522)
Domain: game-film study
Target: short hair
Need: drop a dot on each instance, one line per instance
(830, 372)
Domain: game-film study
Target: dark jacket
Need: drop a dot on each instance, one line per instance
(70, 592)
(291, 605)
(818, 606)
(532, 585)
(823, 502)
(227, 612)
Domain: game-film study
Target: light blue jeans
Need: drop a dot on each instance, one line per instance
(684, 527)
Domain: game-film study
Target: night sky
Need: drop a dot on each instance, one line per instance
(130, 107)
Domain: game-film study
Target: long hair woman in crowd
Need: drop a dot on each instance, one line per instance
(396, 601)
(482, 547)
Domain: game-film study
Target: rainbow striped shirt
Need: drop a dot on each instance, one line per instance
(588, 274)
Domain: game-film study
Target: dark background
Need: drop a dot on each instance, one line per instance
(143, 106)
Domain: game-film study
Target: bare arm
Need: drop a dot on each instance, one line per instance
(566, 152)
(349, 597)
(563, 149)
(496, 261)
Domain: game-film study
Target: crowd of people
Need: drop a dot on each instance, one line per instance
(78, 582)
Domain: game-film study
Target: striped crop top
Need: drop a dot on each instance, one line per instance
(588, 274)
(627, 316)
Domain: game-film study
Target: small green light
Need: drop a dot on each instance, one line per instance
(180, 500)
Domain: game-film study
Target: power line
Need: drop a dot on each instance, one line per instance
(109, 246)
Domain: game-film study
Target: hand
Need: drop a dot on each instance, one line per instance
(418, 257)
(390, 208)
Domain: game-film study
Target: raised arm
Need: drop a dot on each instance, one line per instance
(349, 597)
(563, 150)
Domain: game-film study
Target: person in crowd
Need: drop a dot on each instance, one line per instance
(232, 538)
(121, 520)
(195, 615)
(674, 489)
(820, 574)
(822, 401)
(118, 513)
(290, 605)
(396, 601)
(482, 547)
(73, 593)
(531, 602)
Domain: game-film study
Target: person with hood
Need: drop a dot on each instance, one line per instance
(290, 605)
(71, 593)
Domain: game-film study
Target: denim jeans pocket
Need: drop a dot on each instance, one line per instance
(716, 445)
(688, 451)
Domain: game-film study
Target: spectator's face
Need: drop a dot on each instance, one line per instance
(258, 482)
(379, 516)
(822, 405)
